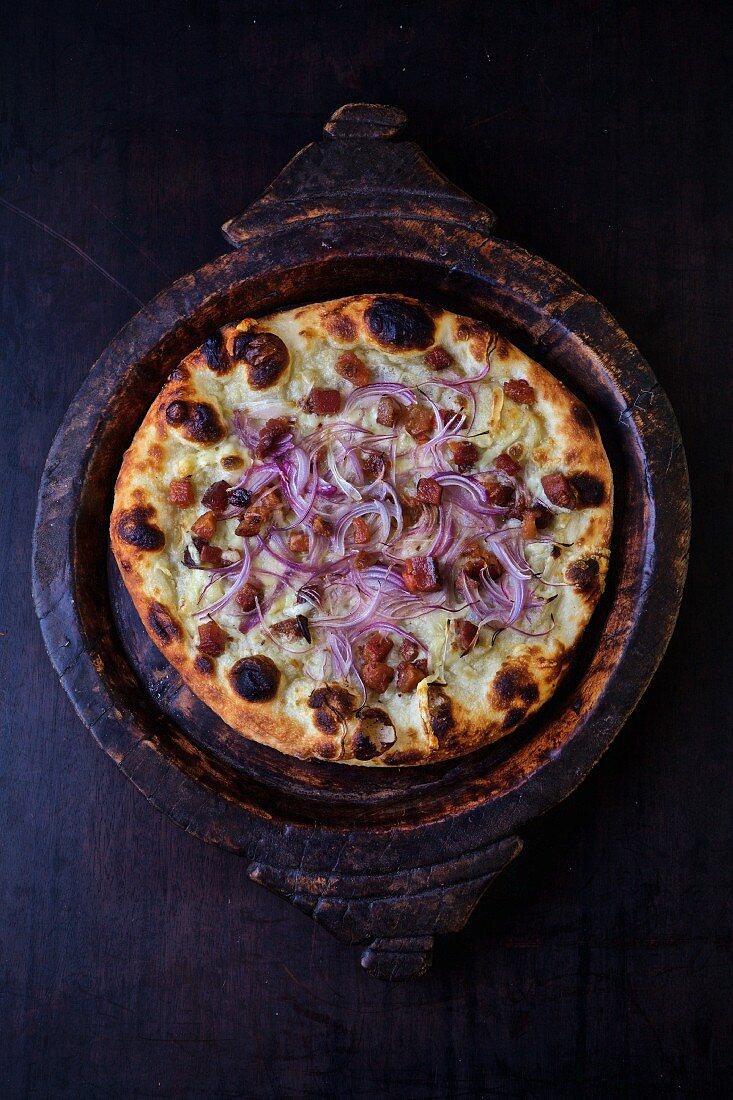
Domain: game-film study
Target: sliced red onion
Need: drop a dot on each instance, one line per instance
(400, 393)
(349, 490)
(270, 407)
(470, 381)
(462, 391)
(460, 481)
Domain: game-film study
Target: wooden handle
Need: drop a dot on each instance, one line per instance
(366, 120)
(393, 915)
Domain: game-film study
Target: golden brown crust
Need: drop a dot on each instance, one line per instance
(264, 694)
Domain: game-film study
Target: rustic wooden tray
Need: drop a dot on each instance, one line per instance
(384, 859)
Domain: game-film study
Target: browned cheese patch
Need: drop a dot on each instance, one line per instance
(481, 338)
(584, 575)
(514, 684)
(341, 327)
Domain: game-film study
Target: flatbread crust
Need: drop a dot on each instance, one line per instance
(465, 700)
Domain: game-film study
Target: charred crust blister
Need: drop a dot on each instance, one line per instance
(326, 720)
(198, 421)
(164, 625)
(265, 355)
(398, 325)
(215, 354)
(360, 746)
(134, 527)
(337, 698)
(256, 678)
(331, 705)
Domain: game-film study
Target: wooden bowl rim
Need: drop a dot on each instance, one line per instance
(212, 286)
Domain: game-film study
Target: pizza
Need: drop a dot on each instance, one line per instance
(367, 530)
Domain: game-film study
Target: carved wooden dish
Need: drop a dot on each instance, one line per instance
(384, 859)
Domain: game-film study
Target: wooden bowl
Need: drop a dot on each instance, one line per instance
(382, 858)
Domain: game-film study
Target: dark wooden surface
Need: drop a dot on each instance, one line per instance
(139, 962)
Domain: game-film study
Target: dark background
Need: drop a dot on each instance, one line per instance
(138, 962)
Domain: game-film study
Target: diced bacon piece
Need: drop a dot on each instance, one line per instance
(250, 523)
(559, 491)
(498, 492)
(248, 595)
(180, 492)
(377, 676)
(212, 639)
(211, 555)
(519, 390)
(360, 531)
(419, 420)
(465, 633)
(409, 675)
(438, 358)
(529, 524)
(353, 369)
(272, 432)
(429, 491)
(299, 542)
(364, 561)
(377, 648)
(463, 453)
(323, 402)
(205, 526)
(421, 574)
(322, 526)
(387, 412)
(215, 497)
(506, 464)
(409, 650)
(373, 464)
(287, 629)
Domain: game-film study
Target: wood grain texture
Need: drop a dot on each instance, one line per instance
(600, 965)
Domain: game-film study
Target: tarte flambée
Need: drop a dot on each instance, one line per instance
(367, 530)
